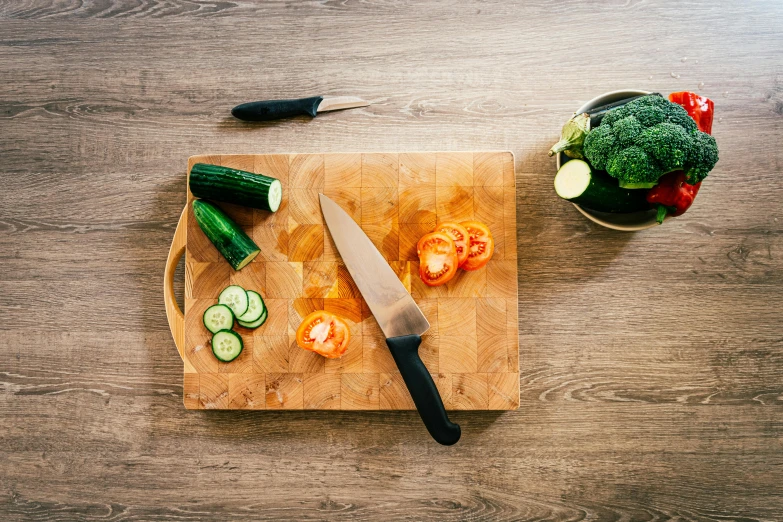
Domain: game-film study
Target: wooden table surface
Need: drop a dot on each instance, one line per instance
(651, 363)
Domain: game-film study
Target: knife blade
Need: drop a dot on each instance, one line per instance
(400, 319)
(267, 110)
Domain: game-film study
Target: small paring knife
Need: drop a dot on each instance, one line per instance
(400, 319)
(268, 110)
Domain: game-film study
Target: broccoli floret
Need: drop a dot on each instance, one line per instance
(702, 158)
(634, 168)
(644, 139)
(627, 131)
(614, 115)
(599, 146)
(679, 116)
(667, 143)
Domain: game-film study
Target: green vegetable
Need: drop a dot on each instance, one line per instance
(228, 238)
(647, 138)
(576, 183)
(255, 308)
(227, 345)
(236, 298)
(235, 186)
(572, 137)
(218, 317)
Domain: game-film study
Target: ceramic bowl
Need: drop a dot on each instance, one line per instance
(633, 221)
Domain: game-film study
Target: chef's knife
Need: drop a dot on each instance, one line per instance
(397, 314)
(276, 109)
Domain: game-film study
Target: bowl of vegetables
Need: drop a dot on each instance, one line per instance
(631, 159)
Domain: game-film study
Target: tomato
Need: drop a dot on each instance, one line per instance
(438, 261)
(323, 333)
(460, 236)
(481, 245)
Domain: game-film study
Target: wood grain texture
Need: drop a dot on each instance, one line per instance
(304, 283)
(650, 363)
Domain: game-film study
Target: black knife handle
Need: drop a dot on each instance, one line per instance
(405, 350)
(276, 109)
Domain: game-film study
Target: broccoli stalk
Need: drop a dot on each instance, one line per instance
(572, 137)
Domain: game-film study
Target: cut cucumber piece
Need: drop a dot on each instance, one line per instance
(218, 317)
(255, 308)
(235, 186)
(227, 345)
(577, 183)
(255, 324)
(234, 297)
(230, 240)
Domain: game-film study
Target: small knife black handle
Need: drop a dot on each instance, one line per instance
(405, 350)
(277, 109)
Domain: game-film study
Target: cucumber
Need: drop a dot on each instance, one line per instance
(227, 345)
(255, 308)
(235, 186)
(234, 297)
(218, 317)
(230, 240)
(576, 183)
(255, 324)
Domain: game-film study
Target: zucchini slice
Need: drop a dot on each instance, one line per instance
(235, 186)
(255, 308)
(230, 240)
(255, 324)
(234, 297)
(218, 317)
(227, 345)
(577, 183)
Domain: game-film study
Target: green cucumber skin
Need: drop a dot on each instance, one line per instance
(230, 185)
(255, 324)
(230, 240)
(605, 195)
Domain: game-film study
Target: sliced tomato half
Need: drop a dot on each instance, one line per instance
(481, 245)
(438, 261)
(324, 333)
(459, 235)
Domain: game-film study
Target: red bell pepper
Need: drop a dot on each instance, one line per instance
(672, 195)
(700, 108)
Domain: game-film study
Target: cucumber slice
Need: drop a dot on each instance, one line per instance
(577, 183)
(234, 297)
(218, 317)
(255, 308)
(255, 324)
(227, 345)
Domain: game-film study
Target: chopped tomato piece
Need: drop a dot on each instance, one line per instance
(481, 245)
(324, 333)
(438, 261)
(459, 235)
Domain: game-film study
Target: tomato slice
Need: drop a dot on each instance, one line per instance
(323, 333)
(481, 245)
(459, 235)
(438, 261)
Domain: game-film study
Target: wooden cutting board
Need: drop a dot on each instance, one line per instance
(471, 348)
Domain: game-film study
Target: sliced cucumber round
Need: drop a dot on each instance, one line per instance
(227, 345)
(255, 308)
(234, 297)
(255, 324)
(218, 317)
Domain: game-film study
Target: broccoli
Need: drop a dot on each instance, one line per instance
(646, 138)
(702, 158)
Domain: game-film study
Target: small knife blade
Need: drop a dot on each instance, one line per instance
(267, 110)
(398, 315)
